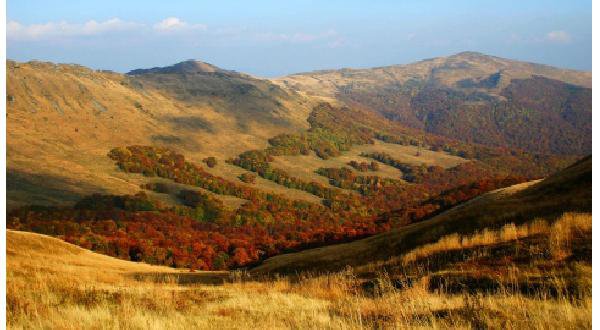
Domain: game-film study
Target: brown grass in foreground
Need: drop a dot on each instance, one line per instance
(52, 284)
(559, 234)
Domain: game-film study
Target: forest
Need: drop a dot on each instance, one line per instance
(200, 233)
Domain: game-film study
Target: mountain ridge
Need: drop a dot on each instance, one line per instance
(55, 110)
(469, 96)
(584, 80)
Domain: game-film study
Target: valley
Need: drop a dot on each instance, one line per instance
(465, 276)
(329, 199)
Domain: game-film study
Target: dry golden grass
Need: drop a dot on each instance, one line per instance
(559, 233)
(63, 119)
(54, 285)
(447, 70)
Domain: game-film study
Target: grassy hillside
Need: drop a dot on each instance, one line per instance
(63, 119)
(52, 284)
(568, 190)
(471, 97)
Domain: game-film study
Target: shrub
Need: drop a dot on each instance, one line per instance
(210, 161)
(248, 177)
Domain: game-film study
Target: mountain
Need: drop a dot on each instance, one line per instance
(569, 190)
(472, 97)
(148, 165)
(185, 67)
(433, 181)
(63, 119)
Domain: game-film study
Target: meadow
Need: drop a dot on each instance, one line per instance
(52, 284)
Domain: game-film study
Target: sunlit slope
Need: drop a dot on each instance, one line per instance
(444, 70)
(568, 190)
(63, 119)
(52, 284)
(41, 253)
(470, 96)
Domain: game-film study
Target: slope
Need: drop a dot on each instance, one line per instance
(568, 190)
(52, 284)
(472, 97)
(63, 119)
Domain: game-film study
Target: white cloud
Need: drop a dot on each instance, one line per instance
(16, 30)
(558, 36)
(53, 30)
(171, 24)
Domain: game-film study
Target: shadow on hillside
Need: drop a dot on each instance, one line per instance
(213, 278)
(47, 190)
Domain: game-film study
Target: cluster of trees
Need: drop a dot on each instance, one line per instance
(210, 161)
(98, 202)
(258, 161)
(364, 166)
(202, 207)
(537, 114)
(248, 177)
(159, 187)
(445, 200)
(345, 178)
(332, 130)
(398, 139)
(410, 173)
(174, 237)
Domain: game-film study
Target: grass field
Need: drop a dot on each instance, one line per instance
(52, 284)
(304, 166)
(62, 120)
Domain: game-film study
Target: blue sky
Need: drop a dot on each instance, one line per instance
(272, 38)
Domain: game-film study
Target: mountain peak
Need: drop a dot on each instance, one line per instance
(470, 53)
(473, 56)
(191, 66)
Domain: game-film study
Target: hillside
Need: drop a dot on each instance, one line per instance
(470, 96)
(52, 284)
(63, 119)
(568, 190)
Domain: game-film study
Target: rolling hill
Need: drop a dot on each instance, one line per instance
(472, 97)
(196, 166)
(565, 191)
(63, 119)
(53, 284)
(377, 209)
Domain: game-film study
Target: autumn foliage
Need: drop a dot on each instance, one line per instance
(202, 234)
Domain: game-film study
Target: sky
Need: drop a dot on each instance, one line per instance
(271, 38)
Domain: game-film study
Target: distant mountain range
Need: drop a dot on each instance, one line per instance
(472, 97)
